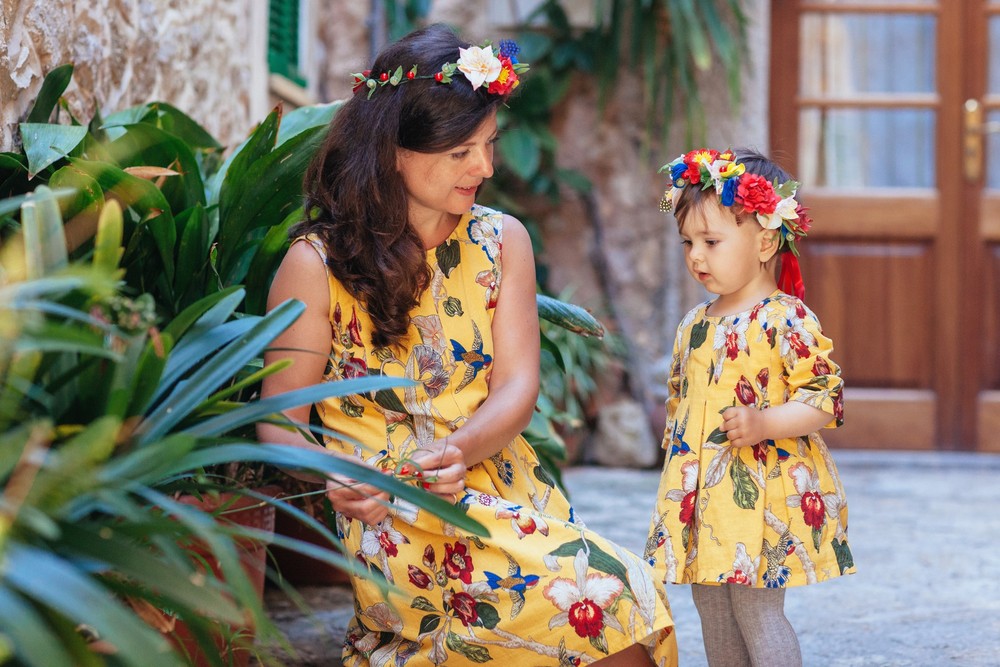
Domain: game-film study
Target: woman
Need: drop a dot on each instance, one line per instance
(402, 274)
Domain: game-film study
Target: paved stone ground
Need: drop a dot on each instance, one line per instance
(924, 530)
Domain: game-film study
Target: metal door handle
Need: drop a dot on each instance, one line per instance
(975, 130)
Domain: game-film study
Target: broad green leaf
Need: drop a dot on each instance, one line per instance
(304, 118)
(193, 251)
(44, 241)
(45, 144)
(35, 643)
(57, 585)
(229, 299)
(108, 242)
(268, 190)
(257, 410)
(81, 211)
(144, 145)
(53, 86)
(569, 316)
(265, 263)
(521, 151)
(201, 384)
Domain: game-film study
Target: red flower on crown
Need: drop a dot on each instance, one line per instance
(756, 194)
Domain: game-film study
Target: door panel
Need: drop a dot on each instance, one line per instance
(902, 265)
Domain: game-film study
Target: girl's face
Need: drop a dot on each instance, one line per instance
(447, 182)
(726, 258)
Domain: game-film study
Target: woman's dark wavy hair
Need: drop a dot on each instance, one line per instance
(356, 201)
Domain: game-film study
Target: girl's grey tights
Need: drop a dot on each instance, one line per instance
(746, 627)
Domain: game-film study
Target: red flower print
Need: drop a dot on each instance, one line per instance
(821, 367)
(800, 310)
(337, 315)
(355, 367)
(745, 393)
(354, 328)
(429, 557)
(458, 562)
(763, 378)
(526, 524)
(387, 544)
(838, 408)
(732, 343)
(813, 509)
(756, 194)
(586, 618)
(797, 344)
(465, 608)
(739, 577)
(418, 577)
(687, 507)
(760, 452)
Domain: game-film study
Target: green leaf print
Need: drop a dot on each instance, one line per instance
(350, 408)
(473, 653)
(699, 334)
(542, 476)
(387, 398)
(423, 604)
(429, 623)
(453, 307)
(717, 436)
(489, 617)
(845, 559)
(686, 537)
(817, 535)
(600, 643)
(745, 491)
(449, 254)
(599, 560)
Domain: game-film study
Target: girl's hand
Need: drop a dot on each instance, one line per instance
(441, 467)
(744, 426)
(356, 500)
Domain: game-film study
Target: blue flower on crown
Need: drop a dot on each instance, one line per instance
(677, 171)
(509, 49)
(728, 195)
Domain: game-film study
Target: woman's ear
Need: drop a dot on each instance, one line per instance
(768, 244)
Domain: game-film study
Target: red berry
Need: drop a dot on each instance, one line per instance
(384, 76)
(439, 77)
(410, 74)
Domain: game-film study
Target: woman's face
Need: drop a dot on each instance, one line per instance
(447, 182)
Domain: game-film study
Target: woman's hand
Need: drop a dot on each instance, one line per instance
(356, 500)
(441, 467)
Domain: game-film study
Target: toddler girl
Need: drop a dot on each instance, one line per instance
(750, 501)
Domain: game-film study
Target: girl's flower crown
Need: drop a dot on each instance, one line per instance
(480, 65)
(773, 204)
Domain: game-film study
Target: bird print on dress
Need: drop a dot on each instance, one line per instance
(777, 572)
(514, 584)
(474, 359)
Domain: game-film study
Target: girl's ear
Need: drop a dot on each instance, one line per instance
(768, 244)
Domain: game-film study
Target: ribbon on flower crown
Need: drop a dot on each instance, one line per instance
(773, 204)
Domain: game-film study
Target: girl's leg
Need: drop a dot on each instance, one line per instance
(635, 655)
(724, 645)
(768, 635)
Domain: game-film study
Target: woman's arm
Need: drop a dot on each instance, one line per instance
(516, 350)
(306, 342)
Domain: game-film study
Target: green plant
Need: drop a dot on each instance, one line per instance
(104, 424)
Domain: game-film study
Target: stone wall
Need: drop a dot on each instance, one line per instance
(198, 55)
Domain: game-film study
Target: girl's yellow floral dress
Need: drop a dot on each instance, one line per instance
(542, 590)
(771, 515)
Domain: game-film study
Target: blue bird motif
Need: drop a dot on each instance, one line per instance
(475, 359)
(515, 583)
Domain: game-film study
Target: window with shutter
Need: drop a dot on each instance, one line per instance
(283, 40)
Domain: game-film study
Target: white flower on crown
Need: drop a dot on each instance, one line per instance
(787, 209)
(479, 65)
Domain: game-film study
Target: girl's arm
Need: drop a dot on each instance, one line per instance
(516, 350)
(746, 426)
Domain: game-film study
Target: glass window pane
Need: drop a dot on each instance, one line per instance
(993, 76)
(867, 148)
(846, 54)
(993, 151)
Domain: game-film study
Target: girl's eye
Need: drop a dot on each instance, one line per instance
(685, 242)
(711, 242)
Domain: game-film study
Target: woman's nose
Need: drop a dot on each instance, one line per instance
(484, 162)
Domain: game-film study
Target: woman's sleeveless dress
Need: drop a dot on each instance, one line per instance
(771, 515)
(542, 589)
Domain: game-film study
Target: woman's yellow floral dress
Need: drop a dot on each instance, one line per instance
(771, 515)
(542, 589)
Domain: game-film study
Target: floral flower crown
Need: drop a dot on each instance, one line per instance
(773, 204)
(480, 65)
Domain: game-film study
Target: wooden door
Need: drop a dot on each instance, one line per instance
(888, 112)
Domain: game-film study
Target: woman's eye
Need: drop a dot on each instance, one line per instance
(459, 155)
